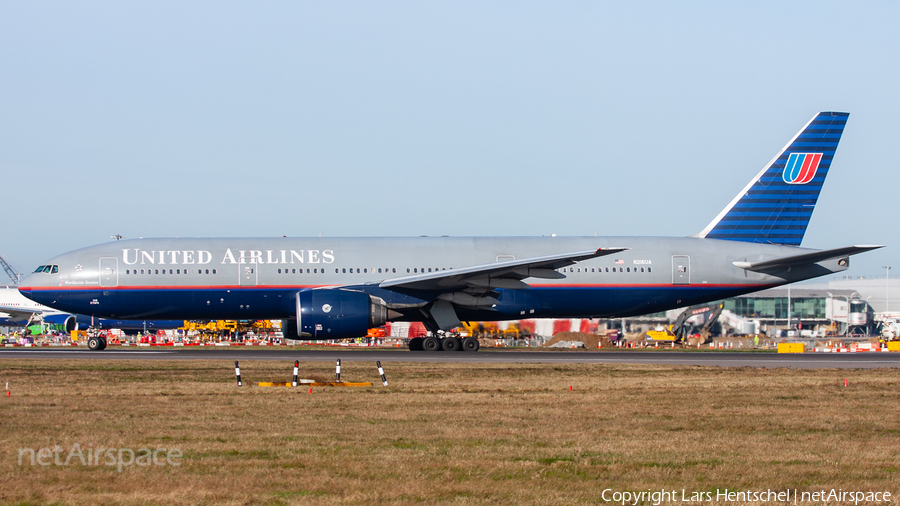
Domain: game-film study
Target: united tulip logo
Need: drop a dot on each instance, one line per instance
(801, 167)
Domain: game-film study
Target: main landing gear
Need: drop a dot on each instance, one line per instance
(96, 343)
(447, 343)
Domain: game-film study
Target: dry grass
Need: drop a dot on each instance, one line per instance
(445, 433)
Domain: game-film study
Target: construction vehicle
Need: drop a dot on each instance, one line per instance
(227, 328)
(678, 331)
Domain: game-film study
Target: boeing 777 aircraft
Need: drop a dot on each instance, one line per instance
(328, 288)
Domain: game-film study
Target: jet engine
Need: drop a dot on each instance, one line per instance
(335, 314)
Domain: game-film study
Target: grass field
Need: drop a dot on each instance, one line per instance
(444, 433)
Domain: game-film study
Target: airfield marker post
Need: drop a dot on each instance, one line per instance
(381, 372)
(237, 372)
(337, 371)
(296, 372)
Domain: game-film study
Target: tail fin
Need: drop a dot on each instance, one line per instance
(777, 204)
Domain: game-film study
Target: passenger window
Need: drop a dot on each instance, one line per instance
(395, 270)
(379, 270)
(214, 271)
(649, 269)
(199, 271)
(345, 271)
(337, 271)
(142, 271)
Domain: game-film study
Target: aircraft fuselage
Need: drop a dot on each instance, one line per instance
(247, 278)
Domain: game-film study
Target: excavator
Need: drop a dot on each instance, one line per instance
(678, 331)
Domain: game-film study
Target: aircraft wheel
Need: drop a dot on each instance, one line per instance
(415, 344)
(102, 343)
(450, 344)
(470, 344)
(431, 344)
(95, 344)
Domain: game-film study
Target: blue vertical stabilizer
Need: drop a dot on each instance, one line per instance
(776, 206)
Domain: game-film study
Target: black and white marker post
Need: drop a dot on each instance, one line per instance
(237, 372)
(381, 372)
(296, 372)
(337, 371)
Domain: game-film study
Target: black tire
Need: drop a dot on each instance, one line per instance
(102, 343)
(450, 344)
(470, 344)
(415, 344)
(94, 344)
(431, 344)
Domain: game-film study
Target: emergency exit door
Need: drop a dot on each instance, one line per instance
(681, 270)
(109, 272)
(249, 273)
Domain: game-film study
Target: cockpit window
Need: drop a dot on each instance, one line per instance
(40, 268)
(47, 269)
(54, 270)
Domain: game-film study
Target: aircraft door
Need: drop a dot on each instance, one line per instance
(681, 270)
(109, 272)
(249, 274)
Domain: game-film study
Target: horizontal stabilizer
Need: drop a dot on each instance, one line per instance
(805, 258)
(507, 274)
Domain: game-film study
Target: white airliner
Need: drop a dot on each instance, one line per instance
(18, 310)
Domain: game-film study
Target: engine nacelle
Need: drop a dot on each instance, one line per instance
(335, 314)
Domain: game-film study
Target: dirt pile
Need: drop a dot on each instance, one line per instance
(590, 340)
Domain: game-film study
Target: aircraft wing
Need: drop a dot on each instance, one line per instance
(19, 314)
(805, 258)
(506, 274)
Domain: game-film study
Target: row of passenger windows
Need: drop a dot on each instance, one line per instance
(171, 271)
(600, 269)
(300, 271)
(413, 270)
(358, 270)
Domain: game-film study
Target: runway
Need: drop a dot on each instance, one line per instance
(869, 360)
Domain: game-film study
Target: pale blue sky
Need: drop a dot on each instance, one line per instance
(429, 118)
